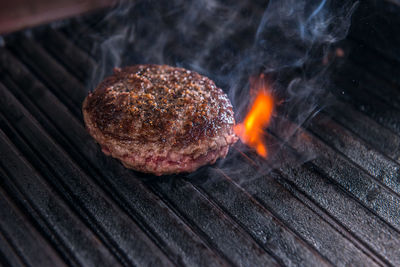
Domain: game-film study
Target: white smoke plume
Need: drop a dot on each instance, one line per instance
(231, 41)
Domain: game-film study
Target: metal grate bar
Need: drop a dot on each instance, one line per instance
(312, 223)
(262, 225)
(55, 81)
(382, 168)
(340, 208)
(8, 255)
(80, 64)
(370, 106)
(370, 192)
(375, 86)
(59, 218)
(289, 253)
(29, 243)
(81, 34)
(340, 205)
(64, 84)
(80, 191)
(222, 232)
(135, 197)
(35, 218)
(382, 139)
(86, 193)
(346, 211)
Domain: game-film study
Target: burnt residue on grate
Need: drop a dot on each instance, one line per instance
(62, 202)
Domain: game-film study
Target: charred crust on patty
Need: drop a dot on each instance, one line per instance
(168, 107)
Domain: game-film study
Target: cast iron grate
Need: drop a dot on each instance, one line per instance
(62, 202)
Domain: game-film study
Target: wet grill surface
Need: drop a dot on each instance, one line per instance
(62, 202)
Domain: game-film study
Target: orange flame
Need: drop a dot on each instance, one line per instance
(251, 130)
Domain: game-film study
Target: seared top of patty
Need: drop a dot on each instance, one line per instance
(159, 104)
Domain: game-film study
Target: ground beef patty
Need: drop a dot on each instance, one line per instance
(160, 119)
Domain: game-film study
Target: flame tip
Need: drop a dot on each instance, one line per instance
(250, 130)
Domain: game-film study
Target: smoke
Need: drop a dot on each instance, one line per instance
(231, 41)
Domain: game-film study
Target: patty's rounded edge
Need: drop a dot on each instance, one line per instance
(154, 149)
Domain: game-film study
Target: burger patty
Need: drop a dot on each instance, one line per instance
(160, 119)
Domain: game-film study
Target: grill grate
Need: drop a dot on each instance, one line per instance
(62, 202)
